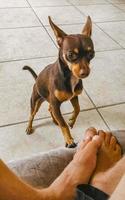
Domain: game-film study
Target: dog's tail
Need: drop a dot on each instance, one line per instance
(31, 71)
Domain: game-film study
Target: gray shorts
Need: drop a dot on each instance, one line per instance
(88, 192)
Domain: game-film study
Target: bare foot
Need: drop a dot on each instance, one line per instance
(84, 161)
(108, 155)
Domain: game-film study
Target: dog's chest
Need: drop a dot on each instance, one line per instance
(64, 95)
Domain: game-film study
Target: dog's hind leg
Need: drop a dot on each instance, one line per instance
(75, 103)
(36, 101)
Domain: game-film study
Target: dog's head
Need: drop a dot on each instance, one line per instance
(77, 49)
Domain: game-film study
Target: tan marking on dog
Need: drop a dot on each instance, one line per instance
(66, 61)
(89, 48)
(75, 69)
(62, 95)
(76, 50)
(77, 92)
(67, 136)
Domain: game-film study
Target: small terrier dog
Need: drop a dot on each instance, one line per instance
(62, 80)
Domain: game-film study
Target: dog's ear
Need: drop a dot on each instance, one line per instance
(57, 31)
(87, 30)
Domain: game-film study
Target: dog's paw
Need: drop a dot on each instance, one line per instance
(73, 145)
(29, 130)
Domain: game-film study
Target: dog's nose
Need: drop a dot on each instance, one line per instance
(82, 72)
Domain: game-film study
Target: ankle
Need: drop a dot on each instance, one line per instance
(100, 182)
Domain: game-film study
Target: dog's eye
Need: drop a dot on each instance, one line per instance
(90, 55)
(72, 56)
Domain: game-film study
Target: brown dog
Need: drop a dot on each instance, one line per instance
(62, 80)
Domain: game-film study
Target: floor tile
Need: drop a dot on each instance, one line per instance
(101, 41)
(106, 83)
(18, 17)
(121, 6)
(114, 116)
(25, 43)
(13, 3)
(48, 3)
(102, 13)
(116, 30)
(65, 15)
(16, 144)
(16, 89)
(87, 2)
(116, 1)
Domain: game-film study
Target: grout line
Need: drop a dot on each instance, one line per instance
(70, 5)
(97, 110)
(115, 5)
(24, 27)
(33, 58)
(50, 6)
(94, 22)
(109, 36)
(13, 7)
(60, 24)
(109, 105)
(42, 24)
(65, 114)
(107, 2)
(121, 20)
(55, 56)
(42, 118)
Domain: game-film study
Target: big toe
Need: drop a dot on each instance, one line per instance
(90, 132)
(94, 144)
(83, 143)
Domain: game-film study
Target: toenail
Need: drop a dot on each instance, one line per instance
(88, 137)
(101, 131)
(95, 137)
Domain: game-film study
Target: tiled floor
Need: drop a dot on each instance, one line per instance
(26, 39)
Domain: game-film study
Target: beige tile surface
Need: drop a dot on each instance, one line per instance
(17, 17)
(106, 82)
(116, 30)
(102, 13)
(16, 144)
(48, 3)
(88, 2)
(13, 3)
(116, 1)
(25, 43)
(67, 18)
(121, 6)
(114, 116)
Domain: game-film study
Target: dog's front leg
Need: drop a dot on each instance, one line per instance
(55, 105)
(75, 103)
